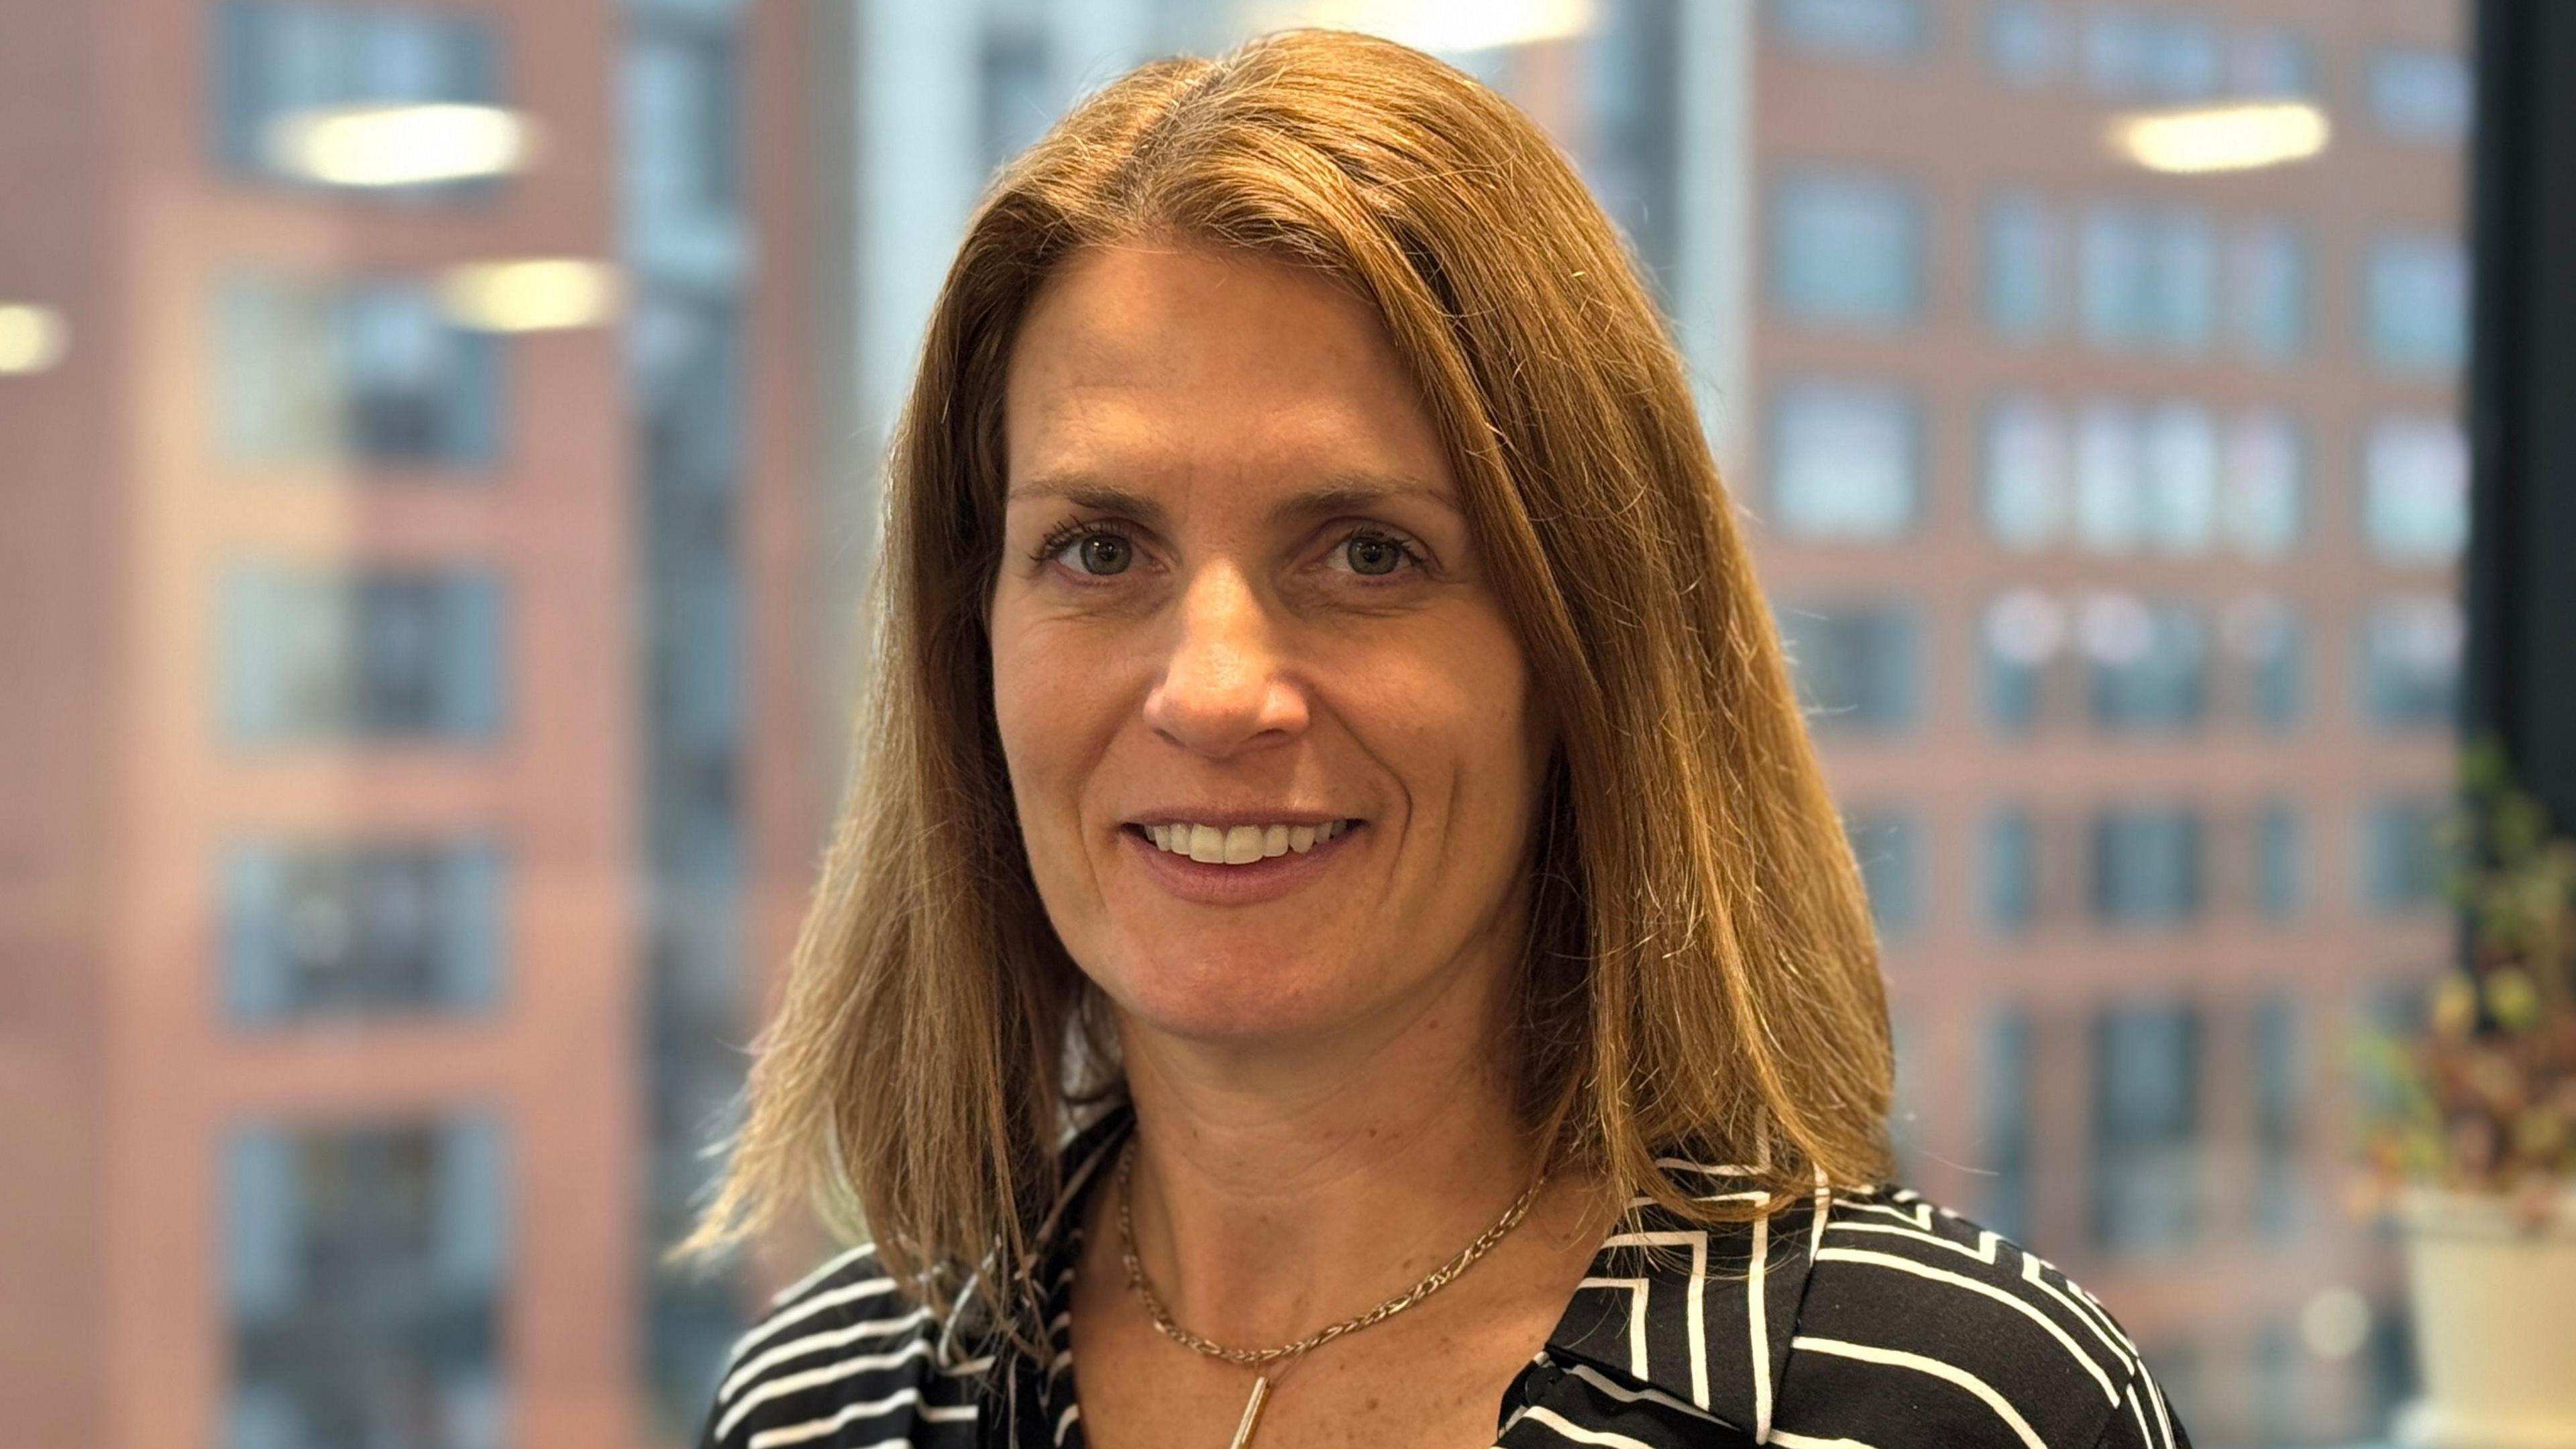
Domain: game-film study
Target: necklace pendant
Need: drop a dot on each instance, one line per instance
(1251, 1412)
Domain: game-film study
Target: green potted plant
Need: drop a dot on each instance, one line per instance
(2471, 1135)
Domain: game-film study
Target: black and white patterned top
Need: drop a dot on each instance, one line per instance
(1851, 1321)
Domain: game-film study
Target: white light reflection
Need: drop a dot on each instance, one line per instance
(533, 295)
(406, 145)
(2221, 138)
(32, 338)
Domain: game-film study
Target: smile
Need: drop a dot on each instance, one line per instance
(1240, 844)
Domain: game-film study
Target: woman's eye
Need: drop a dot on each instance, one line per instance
(1373, 555)
(1100, 554)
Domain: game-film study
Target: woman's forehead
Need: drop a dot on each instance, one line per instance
(1146, 363)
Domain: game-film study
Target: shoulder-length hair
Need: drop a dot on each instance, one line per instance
(1701, 973)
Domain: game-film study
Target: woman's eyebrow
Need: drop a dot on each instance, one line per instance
(1346, 492)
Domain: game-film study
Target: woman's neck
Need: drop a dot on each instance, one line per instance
(1282, 1189)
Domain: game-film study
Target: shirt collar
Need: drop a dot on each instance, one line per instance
(1699, 1314)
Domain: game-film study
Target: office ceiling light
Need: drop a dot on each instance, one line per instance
(31, 337)
(1441, 25)
(407, 145)
(534, 295)
(2221, 138)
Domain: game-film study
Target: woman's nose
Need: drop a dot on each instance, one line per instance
(1223, 688)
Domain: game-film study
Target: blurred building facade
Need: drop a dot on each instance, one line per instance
(422, 728)
(412, 531)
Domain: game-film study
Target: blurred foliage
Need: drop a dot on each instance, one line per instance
(2480, 1096)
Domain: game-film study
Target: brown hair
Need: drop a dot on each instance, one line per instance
(1701, 971)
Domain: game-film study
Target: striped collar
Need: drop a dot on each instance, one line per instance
(1699, 1315)
(1696, 1316)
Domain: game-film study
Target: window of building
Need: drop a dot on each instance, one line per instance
(363, 1275)
(2146, 1127)
(2025, 247)
(2110, 477)
(2271, 62)
(380, 655)
(682, 170)
(2181, 502)
(2026, 466)
(2004, 1156)
(2280, 1075)
(1019, 91)
(2415, 489)
(1879, 30)
(367, 372)
(2147, 278)
(2012, 869)
(2280, 861)
(2025, 44)
(277, 58)
(2262, 484)
(1857, 665)
(2418, 303)
(1888, 844)
(1846, 249)
(2401, 853)
(2136, 54)
(2410, 662)
(2267, 286)
(2018, 635)
(2420, 95)
(2148, 663)
(2267, 641)
(1845, 461)
(354, 929)
(2146, 865)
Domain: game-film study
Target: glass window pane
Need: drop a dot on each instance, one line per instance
(1879, 30)
(2025, 41)
(1846, 249)
(1855, 665)
(2024, 266)
(2415, 490)
(2420, 95)
(2418, 303)
(2149, 663)
(2026, 467)
(1844, 461)
(2267, 282)
(366, 1269)
(2146, 1128)
(373, 655)
(2019, 633)
(2012, 870)
(2262, 505)
(2410, 662)
(2401, 856)
(1888, 844)
(2146, 865)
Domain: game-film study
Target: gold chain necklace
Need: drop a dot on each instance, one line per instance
(1254, 1358)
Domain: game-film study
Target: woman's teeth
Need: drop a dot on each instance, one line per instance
(1241, 844)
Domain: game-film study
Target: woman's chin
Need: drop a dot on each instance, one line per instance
(1247, 999)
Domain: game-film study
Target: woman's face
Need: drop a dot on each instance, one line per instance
(1239, 610)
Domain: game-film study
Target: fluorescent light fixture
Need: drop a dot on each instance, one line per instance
(406, 145)
(1441, 25)
(32, 338)
(540, 294)
(2221, 138)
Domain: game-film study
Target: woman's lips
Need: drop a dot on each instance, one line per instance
(1216, 884)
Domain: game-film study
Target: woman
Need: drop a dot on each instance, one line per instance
(1339, 936)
